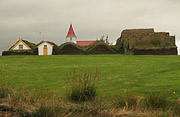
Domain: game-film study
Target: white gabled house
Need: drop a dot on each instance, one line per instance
(45, 48)
(21, 45)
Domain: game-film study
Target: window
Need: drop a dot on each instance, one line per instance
(20, 46)
(45, 46)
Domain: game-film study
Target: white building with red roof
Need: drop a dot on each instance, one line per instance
(71, 37)
(84, 43)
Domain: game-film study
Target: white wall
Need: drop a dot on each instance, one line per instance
(73, 39)
(24, 47)
(41, 49)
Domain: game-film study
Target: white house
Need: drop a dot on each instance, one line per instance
(45, 48)
(22, 45)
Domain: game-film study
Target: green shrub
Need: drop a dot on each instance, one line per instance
(48, 108)
(35, 51)
(118, 48)
(96, 108)
(128, 100)
(82, 86)
(156, 100)
(176, 108)
(3, 91)
(36, 104)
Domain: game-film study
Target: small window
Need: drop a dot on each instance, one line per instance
(45, 46)
(20, 46)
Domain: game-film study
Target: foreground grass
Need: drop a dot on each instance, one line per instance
(119, 72)
(32, 104)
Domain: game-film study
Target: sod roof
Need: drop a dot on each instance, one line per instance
(99, 47)
(30, 44)
(145, 38)
(70, 48)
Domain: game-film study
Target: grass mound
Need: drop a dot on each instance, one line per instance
(70, 48)
(99, 48)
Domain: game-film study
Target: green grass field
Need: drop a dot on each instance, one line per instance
(119, 72)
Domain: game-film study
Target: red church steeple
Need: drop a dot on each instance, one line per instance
(71, 33)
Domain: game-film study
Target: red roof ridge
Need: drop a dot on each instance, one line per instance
(84, 43)
(71, 32)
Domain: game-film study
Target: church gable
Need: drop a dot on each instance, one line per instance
(71, 36)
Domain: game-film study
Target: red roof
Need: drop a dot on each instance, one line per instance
(84, 43)
(71, 32)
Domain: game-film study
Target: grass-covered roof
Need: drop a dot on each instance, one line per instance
(145, 38)
(98, 47)
(70, 48)
(30, 44)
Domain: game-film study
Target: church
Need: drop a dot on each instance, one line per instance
(71, 37)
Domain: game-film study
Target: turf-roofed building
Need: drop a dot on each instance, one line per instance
(45, 48)
(21, 47)
(22, 44)
(147, 42)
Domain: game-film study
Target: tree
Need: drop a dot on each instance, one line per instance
(107, 41)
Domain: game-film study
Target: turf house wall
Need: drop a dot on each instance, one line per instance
(146, 42)
(17, 52)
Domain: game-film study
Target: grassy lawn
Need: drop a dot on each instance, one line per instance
(119, 72)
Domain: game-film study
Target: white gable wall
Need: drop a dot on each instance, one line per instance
(71, 39)
(24, 46)
(41, 49)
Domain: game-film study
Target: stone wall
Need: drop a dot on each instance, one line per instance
(160, 51)
(17, 52)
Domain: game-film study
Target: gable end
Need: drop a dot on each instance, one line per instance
(19, 41)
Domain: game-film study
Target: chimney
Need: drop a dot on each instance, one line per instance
(20, 38)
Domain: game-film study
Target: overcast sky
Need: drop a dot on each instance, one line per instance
(90, 18)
